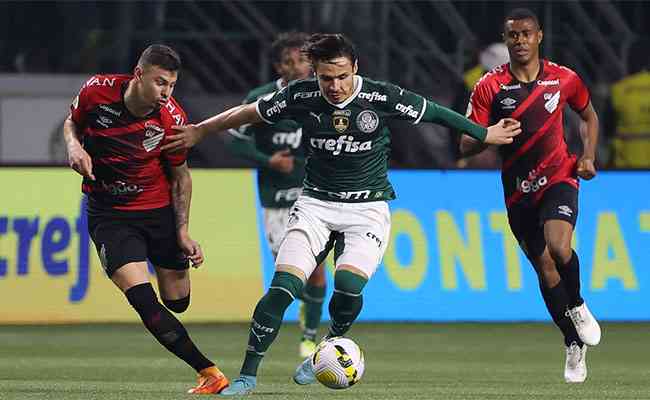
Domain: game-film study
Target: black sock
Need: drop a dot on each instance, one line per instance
(164, 326)
(557, 300)
(570, 274)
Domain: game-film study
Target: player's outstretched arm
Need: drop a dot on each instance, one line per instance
(181, 191)
(189, 135)
(502, 132)
(586, 168)
(78, 158)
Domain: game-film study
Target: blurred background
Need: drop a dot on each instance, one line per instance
(451, 255)
(438, 48)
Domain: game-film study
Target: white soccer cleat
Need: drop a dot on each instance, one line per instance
(575, 367)
(585, 323)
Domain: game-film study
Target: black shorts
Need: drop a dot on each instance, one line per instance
(122, 237)
(560, 201)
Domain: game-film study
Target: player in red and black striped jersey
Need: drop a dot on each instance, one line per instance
(139, 196)
(539, 175)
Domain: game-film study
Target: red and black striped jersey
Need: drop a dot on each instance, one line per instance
(129, 168)
(538, 157)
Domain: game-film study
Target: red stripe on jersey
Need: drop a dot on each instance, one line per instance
(526, 103)
(513, 198)
(531, 141)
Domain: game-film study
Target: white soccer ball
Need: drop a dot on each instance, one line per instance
(338, 363)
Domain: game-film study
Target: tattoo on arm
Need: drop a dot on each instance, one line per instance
(181, 188)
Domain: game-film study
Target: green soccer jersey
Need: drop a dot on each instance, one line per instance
(276, 189)
(347, 144)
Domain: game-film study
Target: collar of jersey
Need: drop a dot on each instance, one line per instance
(359, 82)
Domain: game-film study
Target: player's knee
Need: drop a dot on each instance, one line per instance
(286, 283)
(560, 251)
(178, 305)
(348, 282)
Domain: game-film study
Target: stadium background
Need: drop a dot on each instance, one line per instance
(451, 255)
(67, 333)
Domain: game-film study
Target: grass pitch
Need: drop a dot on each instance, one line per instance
(403, 361)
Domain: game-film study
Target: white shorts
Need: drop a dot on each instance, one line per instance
(275, 224)
(358, 232)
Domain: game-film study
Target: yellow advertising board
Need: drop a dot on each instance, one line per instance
(50, 273)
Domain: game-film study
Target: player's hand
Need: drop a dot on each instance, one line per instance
(80, 161)
(191, 249)
(186, 137)
(586, 168)
(282, 161)
(503, 131)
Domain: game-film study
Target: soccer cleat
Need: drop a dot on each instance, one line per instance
(240, 386)
(307, 348)
(211, 381)
(575, 367)
(585, 323)
(304, 374)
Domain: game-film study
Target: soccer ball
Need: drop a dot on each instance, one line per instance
(338, 363)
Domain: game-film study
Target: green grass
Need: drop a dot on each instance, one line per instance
(403, 361)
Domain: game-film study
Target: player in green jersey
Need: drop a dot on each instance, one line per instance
(279, 155)
(343, 205)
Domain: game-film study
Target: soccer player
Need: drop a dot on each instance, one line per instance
(139, 196)
(279, 154)
(345, 192)
(539, 175)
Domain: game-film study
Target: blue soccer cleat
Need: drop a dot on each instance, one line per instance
(304, 374)
(240, 386)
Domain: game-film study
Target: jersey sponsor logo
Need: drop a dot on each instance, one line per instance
(367, 121)
(104, 121)
(277, 108)
(374, 237)
(508, 103)
(341, 120)
(532, 183)
(345, 144)
(552, 101)
(291, 139)
(317, 116)
(407, 110)
(554, 82)
(119, 188)
(290, 194)
(510, 87)
(565, 210)
(307, 95)
(374, 96)
(153, 136)
(109, 110)
(357, 195)
(176, 115)
(95, 81)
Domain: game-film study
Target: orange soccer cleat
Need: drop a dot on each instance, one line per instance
(210, 381)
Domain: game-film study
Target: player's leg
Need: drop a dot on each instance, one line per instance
(172, 272)
(311, 310)
(559, 212)
(306, 243)
(359, 248)
(525, 225)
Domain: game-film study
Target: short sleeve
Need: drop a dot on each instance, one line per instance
(478, 108)
(80, 106)
(579, 96)
(275, 106)
(177, 157)
(406, 105)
